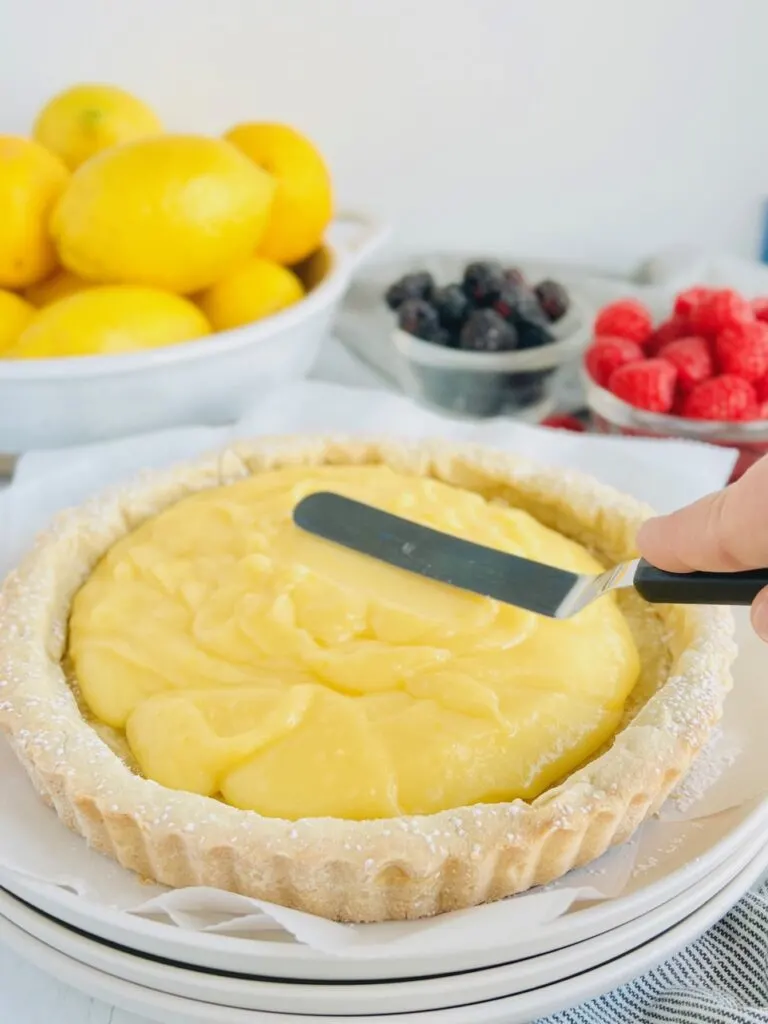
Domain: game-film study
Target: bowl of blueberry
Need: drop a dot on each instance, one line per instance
(487, 344)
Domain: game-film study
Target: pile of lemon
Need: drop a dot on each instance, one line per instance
(117, 236)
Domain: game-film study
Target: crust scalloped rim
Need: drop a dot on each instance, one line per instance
(377, 870)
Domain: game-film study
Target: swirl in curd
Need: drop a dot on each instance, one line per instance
(251, 662)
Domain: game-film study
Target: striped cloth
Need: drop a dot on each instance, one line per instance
(720, 979)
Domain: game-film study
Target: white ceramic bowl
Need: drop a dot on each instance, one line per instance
(52, 403)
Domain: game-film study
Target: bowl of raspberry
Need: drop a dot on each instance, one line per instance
(489, 343)
(701, 373)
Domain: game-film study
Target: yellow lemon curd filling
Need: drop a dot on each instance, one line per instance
(249, 661)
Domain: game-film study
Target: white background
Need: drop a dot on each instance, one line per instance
(584, 129)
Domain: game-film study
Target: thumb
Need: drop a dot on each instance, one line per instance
(724, 532)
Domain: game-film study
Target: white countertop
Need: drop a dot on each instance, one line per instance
(27, 996)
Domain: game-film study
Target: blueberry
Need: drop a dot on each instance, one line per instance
(553, 299)
(527, 308)
(419, 318)
(452, 305)
(532, 334)
(523, 311)
(515, 276)
(486, 331)
(446, 338)
(512, 296)
(483, 281)
(412, 286)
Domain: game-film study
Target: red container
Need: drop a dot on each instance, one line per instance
(609, 415)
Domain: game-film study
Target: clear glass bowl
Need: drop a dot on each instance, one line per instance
(609, 415)
(483, 384)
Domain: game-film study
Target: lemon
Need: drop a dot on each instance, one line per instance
(258, 288)
(59, 286)
(107, 321)
(15, 314)
(303, 203)
(176, 212)
(85, 119)
(31, 180)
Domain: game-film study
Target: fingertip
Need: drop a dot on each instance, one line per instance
(760, 614)
(656, 542)
(645, 534)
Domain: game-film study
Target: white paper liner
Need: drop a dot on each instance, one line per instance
(666, 474)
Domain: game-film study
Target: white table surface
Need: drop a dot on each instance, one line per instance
(27, 996)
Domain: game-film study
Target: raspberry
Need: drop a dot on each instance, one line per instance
(725, 398)
(761, 390)
(743, 350)
(760, 309)
(672, 329)
(649, 385)
(607, 354)
(625, 319)
(719, 310)
(564, 423)
(687, 301)
(692, 360)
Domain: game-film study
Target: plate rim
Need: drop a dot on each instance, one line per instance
(570, 992)
(159, 939)
(112, 961)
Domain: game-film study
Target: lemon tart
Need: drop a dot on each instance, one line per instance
(213, 697)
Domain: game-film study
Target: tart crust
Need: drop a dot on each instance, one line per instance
(386, 869)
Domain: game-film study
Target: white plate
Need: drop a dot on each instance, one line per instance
(514, 1009)
(273, 954)
(386, 998)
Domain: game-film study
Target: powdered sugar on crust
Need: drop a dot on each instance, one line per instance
(355, 871)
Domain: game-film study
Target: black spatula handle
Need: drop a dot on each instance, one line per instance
(728, 588)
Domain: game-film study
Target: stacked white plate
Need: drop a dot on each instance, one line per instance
(171, 974)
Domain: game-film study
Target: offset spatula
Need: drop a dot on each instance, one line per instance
(518, 581)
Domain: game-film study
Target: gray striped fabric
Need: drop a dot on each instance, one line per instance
(720, 979)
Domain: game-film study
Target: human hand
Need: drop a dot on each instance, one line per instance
(723, 532)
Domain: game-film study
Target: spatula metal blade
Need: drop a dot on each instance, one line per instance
(435, 555)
